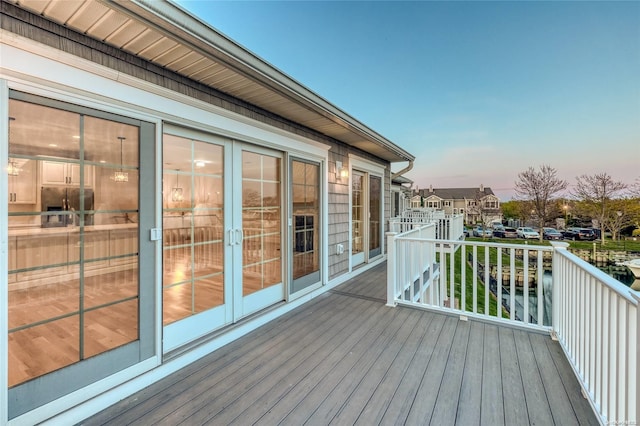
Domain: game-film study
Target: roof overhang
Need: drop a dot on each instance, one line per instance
(165, 34)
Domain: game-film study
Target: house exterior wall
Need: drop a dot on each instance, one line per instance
(19, 26)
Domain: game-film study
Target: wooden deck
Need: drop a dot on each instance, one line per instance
(346, 358)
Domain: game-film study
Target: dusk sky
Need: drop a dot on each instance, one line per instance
(477, 91)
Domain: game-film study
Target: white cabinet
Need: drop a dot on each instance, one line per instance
(65, 174)
(22, 181)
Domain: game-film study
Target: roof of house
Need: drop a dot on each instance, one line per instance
(456, 193)
(165, 34)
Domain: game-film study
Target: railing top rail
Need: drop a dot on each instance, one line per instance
(422, 227)
(405, 237)
(615, 285)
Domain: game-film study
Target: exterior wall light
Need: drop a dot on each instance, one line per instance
(341, 172)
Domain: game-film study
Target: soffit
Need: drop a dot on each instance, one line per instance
(166, 35)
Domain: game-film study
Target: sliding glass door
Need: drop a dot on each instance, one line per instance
(305, 220)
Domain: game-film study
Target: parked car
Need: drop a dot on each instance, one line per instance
(479, 231)
(527, 233)
(579, 234)
(505, 232)
(551, 234)
(465, 231)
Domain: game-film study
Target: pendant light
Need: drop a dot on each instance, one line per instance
(176, 192)
(120, 176)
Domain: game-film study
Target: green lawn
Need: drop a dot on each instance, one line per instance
(493, 303)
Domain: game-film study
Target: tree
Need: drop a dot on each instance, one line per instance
(597, 191)
(621, 214)
(538, 187)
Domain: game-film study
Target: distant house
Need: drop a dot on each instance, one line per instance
(479, 205)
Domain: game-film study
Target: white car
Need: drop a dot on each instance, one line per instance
(527, 233)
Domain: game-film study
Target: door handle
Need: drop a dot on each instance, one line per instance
(230, 236)
(241, 232)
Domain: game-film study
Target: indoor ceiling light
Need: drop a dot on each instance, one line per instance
(120, 176)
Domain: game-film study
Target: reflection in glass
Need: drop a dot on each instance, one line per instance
(305, 242)
(261, 222)
(374, 212)
(193, 227)
(357, 237)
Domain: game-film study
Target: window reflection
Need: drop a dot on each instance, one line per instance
(192, 193)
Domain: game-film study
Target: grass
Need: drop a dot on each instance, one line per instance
(481, 289)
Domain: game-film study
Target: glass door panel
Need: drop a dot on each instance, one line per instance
(74, 269)
(260, 230)
(305, 212)
(193, 238)
(358, 210)
(375, 184)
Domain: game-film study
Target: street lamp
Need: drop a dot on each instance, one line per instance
(566, 209)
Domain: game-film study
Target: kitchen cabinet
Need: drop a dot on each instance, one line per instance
(65, 174)
(46, 252)
(123, 246)
(22, 184)
(96, 250)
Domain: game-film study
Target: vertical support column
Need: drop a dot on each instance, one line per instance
(391, 268)
(634, 349)
(556, 282)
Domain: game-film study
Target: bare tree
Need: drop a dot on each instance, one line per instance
(538, 187)
(634, 189)
(597, 191)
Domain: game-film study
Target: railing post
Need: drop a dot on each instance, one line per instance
(635, 379)
(555, 286)
(391, 268)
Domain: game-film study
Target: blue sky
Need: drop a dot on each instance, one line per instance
(477, 91)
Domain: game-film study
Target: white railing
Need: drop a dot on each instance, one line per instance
(596, 321)
(594, 317)
(448, 227)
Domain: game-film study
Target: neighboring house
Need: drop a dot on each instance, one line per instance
(479, 205)
(400, 195)
(168, 191)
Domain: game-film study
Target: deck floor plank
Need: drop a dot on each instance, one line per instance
(448, 397)
(382, 395)
(354, 404)
(471, 387)
(403, 398)
(492, 408)
(250, 406)
(345, 379)
(227, 358)
(209, 400)
(560, 404)
(309, 393)
(581, 407)
(515, 407)
(346, 357)
(425, 398)
(538, 406)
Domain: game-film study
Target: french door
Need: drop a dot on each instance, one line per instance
(366, 217)
(256, 232)
(222, 236)
(305, 224)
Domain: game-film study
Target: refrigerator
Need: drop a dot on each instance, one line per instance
(63, 205)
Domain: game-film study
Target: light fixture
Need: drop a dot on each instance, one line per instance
(200, 163)
(176, 192)
(341, 172)
(12, 166)
(120, 176)
(13, 169)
